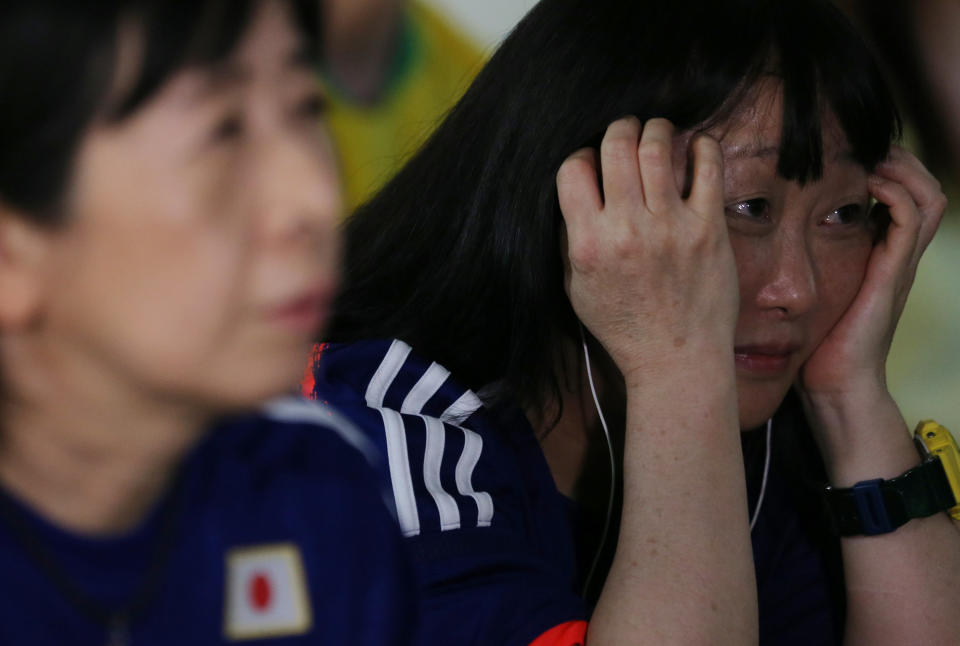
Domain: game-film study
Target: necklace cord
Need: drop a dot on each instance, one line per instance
(100, 614)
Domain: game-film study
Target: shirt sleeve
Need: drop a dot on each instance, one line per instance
(571, 633)
(486, 528)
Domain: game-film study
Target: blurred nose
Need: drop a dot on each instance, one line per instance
(301, 192)
(789, 285)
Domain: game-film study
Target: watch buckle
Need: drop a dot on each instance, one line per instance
(871, 507)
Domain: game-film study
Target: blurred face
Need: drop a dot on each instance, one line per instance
(198, 257)
(801, 251)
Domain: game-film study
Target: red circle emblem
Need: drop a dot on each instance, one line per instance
(260, 592)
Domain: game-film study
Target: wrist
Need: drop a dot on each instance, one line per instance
(861, 438)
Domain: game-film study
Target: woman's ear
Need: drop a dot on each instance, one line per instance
(23, 250)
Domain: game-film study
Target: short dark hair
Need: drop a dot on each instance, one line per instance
(57, 63)
(459, 254)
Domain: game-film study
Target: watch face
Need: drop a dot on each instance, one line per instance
(938, 442)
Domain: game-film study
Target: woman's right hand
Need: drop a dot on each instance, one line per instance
(650, 274)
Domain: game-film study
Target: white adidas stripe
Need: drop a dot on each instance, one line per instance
(425, 388)
(465, 406)
(472, 447)
(386, 372)
(397, 451)
(432, 458)
(397, 458)
(400, 477)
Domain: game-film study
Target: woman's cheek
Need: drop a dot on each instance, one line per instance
(840, 272)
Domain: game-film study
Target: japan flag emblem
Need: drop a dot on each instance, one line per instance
(266, 593)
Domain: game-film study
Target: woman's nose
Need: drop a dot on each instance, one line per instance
(789, 283)
(301, 191)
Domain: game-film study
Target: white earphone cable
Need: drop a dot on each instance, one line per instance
(766, 472)
(613, 464)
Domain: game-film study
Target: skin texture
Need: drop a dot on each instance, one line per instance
(691, 298)
(634, 271)
(801, 251)
(195, 264)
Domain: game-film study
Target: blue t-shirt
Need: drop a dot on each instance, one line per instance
(485, 524)
(275, 533)
(796, 606)
(491, 535)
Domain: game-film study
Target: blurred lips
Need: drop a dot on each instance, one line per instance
(306, 312)
(768, 360)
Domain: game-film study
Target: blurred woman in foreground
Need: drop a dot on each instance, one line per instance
(167, 201)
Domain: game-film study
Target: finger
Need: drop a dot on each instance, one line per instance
(925, 190)
(656, 167)
(620, 169)
(900, 155)
(706, 191)
(902, 243)
(578, 189)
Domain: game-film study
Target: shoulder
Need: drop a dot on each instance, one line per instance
(450, 461)
(298, 474)
(294, 448)
(484, 522)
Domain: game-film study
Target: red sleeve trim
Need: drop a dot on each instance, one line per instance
(572, 633)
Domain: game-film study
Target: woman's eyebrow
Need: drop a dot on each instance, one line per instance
(766, 151)
(749, 151)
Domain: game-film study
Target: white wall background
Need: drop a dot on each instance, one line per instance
(487, 21)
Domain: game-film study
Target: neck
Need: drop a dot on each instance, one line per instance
(574, 443)
(86, 452)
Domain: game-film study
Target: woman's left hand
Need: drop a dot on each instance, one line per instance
(850, 361)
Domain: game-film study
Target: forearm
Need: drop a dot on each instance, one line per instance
(902, 586)
(683, 571)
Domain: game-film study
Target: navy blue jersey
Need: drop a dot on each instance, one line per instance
(275, 533)
(487, 528)
(491, 535)
(798, 597)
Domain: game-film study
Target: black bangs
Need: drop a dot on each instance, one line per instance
(825, 66)
(58, 59)
(458, 254)
(178, 33)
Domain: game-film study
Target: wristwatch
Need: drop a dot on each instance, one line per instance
(880, 506)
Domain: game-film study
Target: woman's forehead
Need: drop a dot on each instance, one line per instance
(754, 129)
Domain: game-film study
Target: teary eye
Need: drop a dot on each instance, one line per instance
(755, 209)
(847, 214)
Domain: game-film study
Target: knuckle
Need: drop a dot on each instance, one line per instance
(584, 254)
(939, 204)
(618, 149)
(654, 152)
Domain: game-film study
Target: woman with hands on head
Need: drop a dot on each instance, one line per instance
(167, 247)
(732, 256)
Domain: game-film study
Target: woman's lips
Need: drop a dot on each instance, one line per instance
(764, 360)
(306, 313)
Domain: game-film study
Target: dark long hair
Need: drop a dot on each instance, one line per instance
(58, 59)
(459, 255)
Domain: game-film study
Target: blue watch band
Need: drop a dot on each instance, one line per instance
(879, 506)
